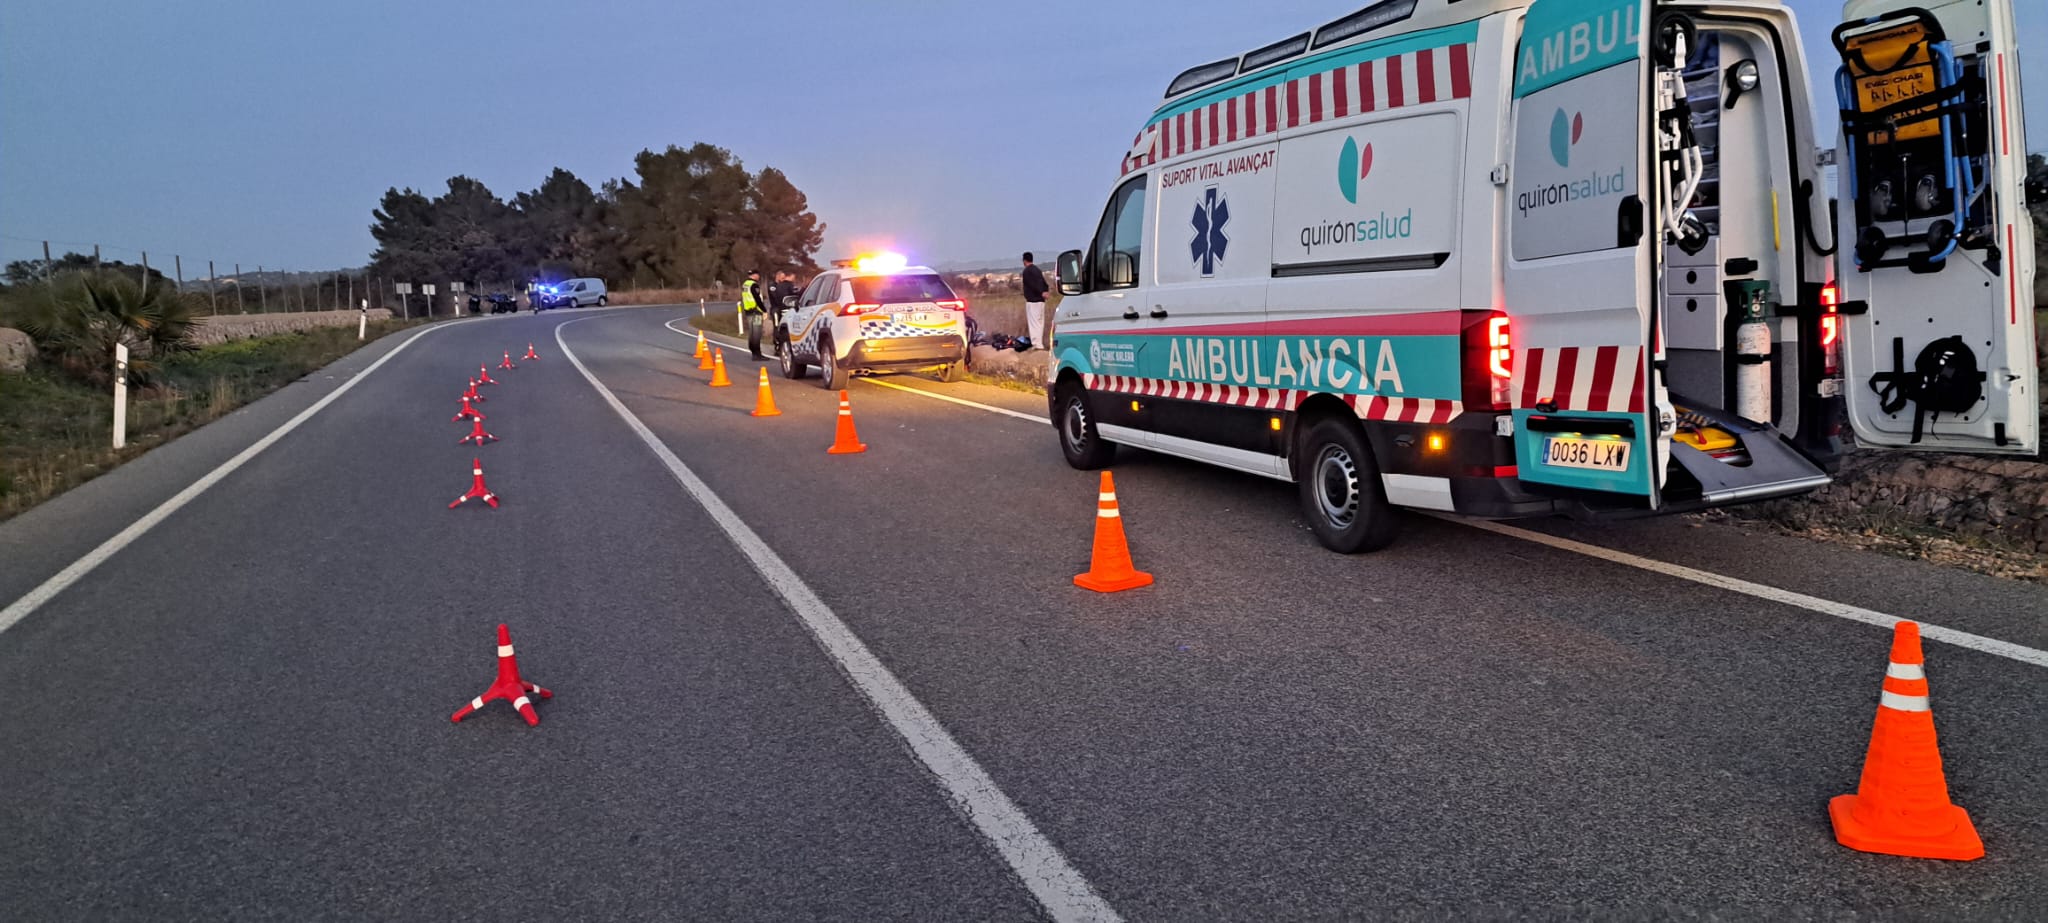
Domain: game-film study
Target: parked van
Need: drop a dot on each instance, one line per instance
(1509, 258)
(575, 293)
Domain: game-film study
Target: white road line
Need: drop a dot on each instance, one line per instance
(1974, 642)
(991, 408)
(1040, 865)
(63, 579)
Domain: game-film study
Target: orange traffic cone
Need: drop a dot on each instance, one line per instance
(764, 400)
(846, 441)
(1901, 807)
(704, 363)
(701, 351)
(718, 379)
(1109, 567)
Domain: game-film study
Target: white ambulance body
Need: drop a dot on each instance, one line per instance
(1510, 258)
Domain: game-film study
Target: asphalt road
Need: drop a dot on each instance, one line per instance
(243, 712)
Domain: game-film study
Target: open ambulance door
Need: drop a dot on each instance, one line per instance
(1936, 267)
(1581, 237)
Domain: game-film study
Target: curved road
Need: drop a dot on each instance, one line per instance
(799, 686)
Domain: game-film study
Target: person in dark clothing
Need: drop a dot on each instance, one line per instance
(785, 287)
(1034, 301)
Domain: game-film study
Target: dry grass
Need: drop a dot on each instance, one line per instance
(670, 295)
(56, 433)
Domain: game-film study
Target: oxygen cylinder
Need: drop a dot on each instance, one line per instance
(1753, 360)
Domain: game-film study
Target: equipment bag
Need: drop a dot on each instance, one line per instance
(1944, 379)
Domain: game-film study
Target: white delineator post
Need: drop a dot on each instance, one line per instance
(120, 395)
(363, 322)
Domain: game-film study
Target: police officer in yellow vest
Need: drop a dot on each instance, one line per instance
(752, 305)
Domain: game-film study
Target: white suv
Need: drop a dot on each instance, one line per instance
(575, 293)
(874, 316)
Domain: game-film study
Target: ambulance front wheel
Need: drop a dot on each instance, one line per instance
(1341, 492)
(1079, 442)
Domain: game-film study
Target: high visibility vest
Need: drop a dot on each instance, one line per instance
(748, 300)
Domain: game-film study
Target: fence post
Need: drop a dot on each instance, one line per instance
(120, 395)
(212, 288)
(262, 291)
(145, 273)
(239, 307)
(46, 261)
(95, 261)
(179, 263)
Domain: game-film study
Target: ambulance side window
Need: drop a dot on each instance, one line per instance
(1116, 256)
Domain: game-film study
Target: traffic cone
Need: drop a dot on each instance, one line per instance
(1901, 806)
(471, 395)
(508, 687)
(468, 412)
(507, 364)
(845, 441)
(530, 354)
(702, 352)
(477, 490)
(476, 432)
(718, 379)
(1109, 566)
(483, 376)
(764, 400)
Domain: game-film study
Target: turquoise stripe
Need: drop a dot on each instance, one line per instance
(1562, 40)
(1277, 74)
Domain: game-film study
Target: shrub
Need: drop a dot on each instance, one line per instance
(77, 319)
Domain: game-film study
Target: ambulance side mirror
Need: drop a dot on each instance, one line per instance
(1069, 271)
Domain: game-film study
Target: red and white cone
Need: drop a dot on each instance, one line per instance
(507, 364)
(476, 432)
(483, 376)
(468, 412)
(477, 490)
(530, 354)
(471, 395)
(508, 687)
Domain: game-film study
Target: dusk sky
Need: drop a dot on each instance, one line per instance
(264, 133)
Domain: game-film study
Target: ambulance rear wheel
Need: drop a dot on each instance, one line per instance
(1341, 493)
(1079, 442)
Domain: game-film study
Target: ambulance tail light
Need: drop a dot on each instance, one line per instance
(859, 308)
(1830, 330)
(1489, 359)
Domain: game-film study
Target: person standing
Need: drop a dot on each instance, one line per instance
(1034, 301)
(752, 300)
(784, 288)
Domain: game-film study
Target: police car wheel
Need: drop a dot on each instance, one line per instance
(953, 373)
(791, 368)
(1341, 493)
(1083, 447)
(830, 376)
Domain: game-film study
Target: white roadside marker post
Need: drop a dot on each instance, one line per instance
(363, 321)
(120, 395)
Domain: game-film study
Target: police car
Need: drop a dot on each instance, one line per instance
(874, 314)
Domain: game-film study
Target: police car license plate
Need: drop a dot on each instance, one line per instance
(1597, 454)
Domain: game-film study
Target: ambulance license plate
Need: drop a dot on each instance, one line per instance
(1597, 454)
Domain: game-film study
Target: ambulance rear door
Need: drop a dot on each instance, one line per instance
(1936, 266)
(1577, 281)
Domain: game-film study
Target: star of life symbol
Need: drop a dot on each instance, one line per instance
(1211, 214)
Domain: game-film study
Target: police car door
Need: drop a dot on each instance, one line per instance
(1581, 232)
(1936, 266)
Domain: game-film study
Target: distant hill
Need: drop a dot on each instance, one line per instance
(1045, 259)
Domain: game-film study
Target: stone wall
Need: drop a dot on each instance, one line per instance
(224, 327)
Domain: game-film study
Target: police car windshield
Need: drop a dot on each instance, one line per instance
(901, 289)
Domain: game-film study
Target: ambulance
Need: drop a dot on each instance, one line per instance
(1505, 258)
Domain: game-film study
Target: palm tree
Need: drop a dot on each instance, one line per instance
(76, 320)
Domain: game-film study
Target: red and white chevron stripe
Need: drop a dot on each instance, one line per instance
(1367, 406)
(1427, 75)
(1597, 378)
